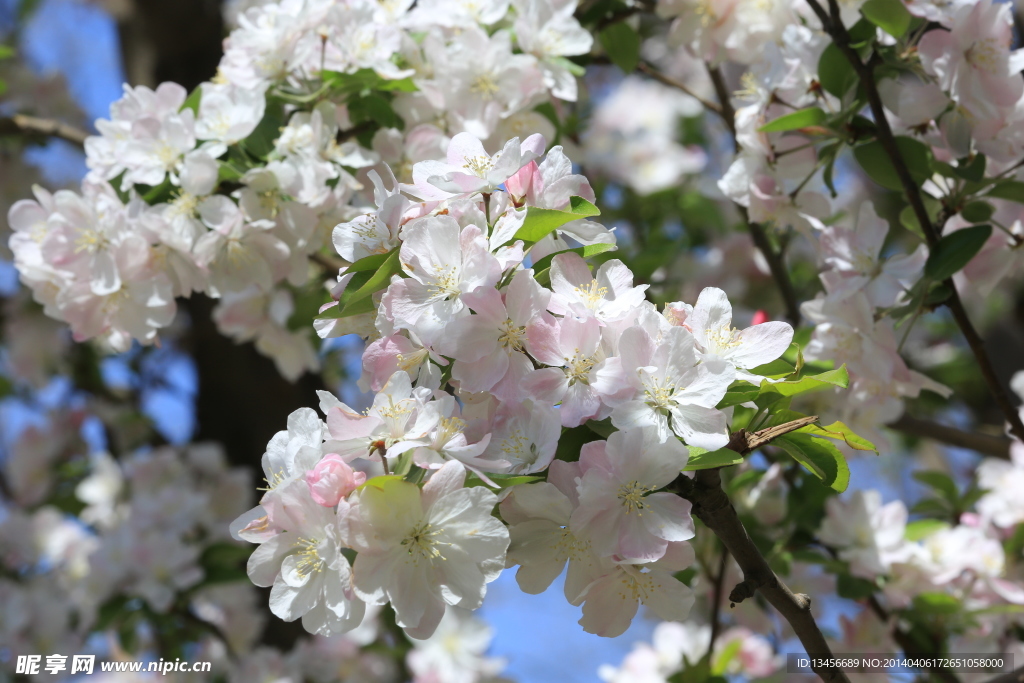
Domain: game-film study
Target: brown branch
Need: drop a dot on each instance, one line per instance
(665, 79)
(775, 259)
(36, 129)
(716, 596)
(987, 444)
(711, 506)
(329, 263)
(833, 25)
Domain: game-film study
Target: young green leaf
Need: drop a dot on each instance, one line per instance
(701, 459)
(1012, 190)
(622, 43)
(541, 222)
(955, 250)
(875, 161)
(819, 457)
(836, 378)
(840, 432)
(811, 116)
(889, 15)
(835, 73)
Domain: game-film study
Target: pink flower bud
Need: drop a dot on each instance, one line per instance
(519, 183)
(759, 317)
(332, 479)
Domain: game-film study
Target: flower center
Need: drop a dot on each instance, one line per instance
(723, 338)
(632, 495)
(421, 543)
(91, 240)
(591, 294)
(309, 557)
(577, 368)
(446, 283)
(485, 85)
(478, 165)
(512, 336)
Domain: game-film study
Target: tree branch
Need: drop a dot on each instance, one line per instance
(665, 79)
(37, 129)
(833, 25)
(711, 506)
(775, 260)
(718, 580)
(987, 444)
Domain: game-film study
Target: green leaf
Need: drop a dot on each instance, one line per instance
(540, 222)
(854, 587)
(777, 369)
(977, 211)
(834, 378)
(840, 432)
(192, 101)
(922, 528)
(972, 169)
(941, 482)
(365, 81)
(909, 219)
(835, 73)
(873, 158)
(374, 107)
(819, 457)
(567, 64)
(372, 274)
(701, 459)
(936, 603)
(811, 116)
(6, 51)
(228, 173)
(260, 142)
(955, 250)
(889, 15)
(622, 43)
(1012, 190)
(503, 481)
(603, 427)
(572, 440)
(739, 392)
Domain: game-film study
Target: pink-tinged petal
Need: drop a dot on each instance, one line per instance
(579, 404)
(481, 375)
(678, 556)
(634, 415)
(547, 385)
(615, 276)
(636, 350)
(569, 271)
(470, 338)
(762, 344)
(535, 145)
(700, 426)
(580, 336)
(450, 478)
(711, 312)
(564, 475)
(610, 382)
(594, 455)
(544, 341)
(673, 600)
(510, 387)
(525, 299)
(344, 425)
(608, 609)
(667, 516)
(707, 383)
(465, 147)
(519, 182)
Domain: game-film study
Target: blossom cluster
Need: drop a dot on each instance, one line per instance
(476, 368)
(230, 190)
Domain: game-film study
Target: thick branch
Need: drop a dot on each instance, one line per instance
(35, 128)
(987, 444)
(833, 25)
(776, 263)
(712, 507)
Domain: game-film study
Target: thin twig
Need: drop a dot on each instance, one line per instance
(35, 128)
(775, 260)
(718, 581)
(833, 25)
(665, 79)
(711, 506)
(327, 262)
(988, 444)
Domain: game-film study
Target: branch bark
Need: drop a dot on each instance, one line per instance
(37, 129)
(775, 259)
(833, 25)
(711, 506)
(986, 444)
